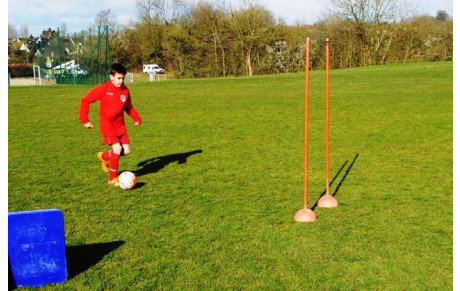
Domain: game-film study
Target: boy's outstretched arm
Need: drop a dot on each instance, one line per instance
(91, 97)
(132, 112)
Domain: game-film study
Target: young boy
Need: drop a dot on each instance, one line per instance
(114, 99)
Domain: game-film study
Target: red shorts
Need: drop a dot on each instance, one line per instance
(110, 140)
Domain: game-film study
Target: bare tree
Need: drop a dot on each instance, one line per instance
(12, 32)
(145, 11)
(24, 31)
(105, 18)
(63, 29)
(160, 11)
(370, 20)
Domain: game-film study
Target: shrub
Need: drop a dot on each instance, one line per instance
(22, 70)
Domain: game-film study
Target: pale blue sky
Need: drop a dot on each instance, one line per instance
(78, 15)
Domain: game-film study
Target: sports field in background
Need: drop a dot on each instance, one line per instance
(220, 170)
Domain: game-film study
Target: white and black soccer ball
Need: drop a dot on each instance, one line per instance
(127, 180)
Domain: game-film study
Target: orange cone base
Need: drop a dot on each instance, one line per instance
(305, 215)
(327, 201)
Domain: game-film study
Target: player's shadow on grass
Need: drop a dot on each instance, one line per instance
(154, 165)
(81, 258)
(335, 177)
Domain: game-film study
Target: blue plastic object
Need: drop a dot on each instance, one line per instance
(36, 247)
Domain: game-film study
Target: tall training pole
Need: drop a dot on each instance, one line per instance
(307, 96)
(327, 201)
(327, 117)
(305, 214)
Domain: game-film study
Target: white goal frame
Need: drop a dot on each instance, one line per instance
(35, 75)
(129, 78)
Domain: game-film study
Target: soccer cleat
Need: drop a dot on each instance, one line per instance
(114, 182)
(104, 163)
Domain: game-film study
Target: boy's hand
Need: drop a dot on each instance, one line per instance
(88, 125)
(137, 123)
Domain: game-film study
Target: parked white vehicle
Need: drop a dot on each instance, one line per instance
(152, 68)
(70, 68)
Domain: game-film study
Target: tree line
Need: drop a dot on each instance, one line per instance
(214, 38)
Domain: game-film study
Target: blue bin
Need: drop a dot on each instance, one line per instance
(36, 247)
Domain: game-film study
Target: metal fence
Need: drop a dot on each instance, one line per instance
(82, 58)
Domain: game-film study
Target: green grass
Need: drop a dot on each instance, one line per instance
(220, 168)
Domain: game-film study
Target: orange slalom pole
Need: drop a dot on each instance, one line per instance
(327, 116)
(305, 214)
(307, 93)
(327, 200)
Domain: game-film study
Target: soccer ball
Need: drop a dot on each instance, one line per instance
(127, 180)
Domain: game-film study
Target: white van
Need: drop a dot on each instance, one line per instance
(153, 68)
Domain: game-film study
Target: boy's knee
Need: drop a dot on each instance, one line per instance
(126, 150)
(116, 148)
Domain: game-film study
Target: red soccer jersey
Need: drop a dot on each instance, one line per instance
(114, 101)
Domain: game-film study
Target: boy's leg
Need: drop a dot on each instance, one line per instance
(126, 149)
(115, 157)
(104, 157)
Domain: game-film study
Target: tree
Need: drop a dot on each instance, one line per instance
(49, 33)
(13, 47)
(24, 31)
(149, 38)
(370, 20)
(12, 32)
(211, 38)
(442, 15)
(208, 27)
(63, 29)
(105, 18)
(253, 28)
(160, 11)
(128, 51)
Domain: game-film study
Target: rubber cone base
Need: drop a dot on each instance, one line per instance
(328, 201)
(305, 215)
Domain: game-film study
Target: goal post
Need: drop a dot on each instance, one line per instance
(49, 77)
(129, 78)
(37, 75)
(43, 76)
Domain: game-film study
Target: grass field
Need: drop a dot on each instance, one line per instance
(220, 168)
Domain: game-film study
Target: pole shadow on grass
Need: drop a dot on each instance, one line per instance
(335, 177)
(345, 176)
(81, 258)
(154, 165)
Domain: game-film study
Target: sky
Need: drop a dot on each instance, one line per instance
(40, 15)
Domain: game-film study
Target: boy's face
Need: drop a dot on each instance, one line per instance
(117, 79)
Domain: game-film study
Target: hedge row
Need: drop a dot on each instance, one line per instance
(22, 70)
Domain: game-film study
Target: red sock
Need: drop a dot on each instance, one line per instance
(113, 165)
(106, 155)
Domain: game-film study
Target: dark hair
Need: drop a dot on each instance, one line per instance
(117, 68)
